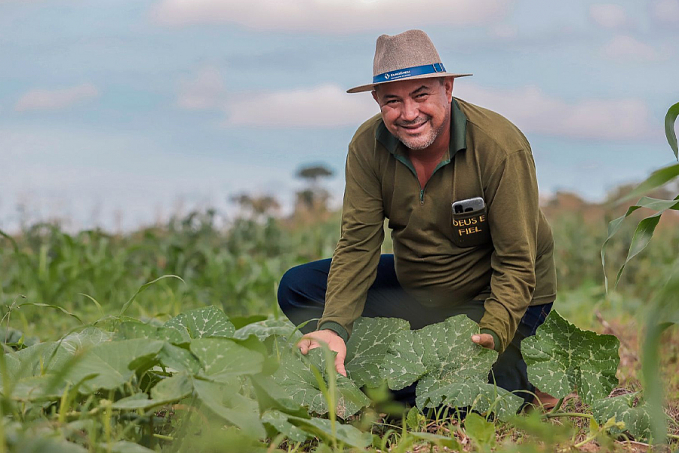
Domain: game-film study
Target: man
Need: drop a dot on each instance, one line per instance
(457, 183)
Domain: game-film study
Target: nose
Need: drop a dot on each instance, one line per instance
(410, 110)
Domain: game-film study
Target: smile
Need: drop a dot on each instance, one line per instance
(414, 128)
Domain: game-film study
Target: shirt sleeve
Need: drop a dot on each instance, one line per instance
(355, 260)
(513, 214)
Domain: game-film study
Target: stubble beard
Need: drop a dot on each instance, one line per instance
(420, 143)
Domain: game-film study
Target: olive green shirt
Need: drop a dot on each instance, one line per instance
(502, 254)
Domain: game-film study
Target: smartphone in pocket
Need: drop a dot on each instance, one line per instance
(468, 205)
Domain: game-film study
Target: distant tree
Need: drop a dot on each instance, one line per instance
(314, 172)
(313, 197)
(259, 206)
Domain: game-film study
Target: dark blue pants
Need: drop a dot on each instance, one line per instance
(301, 296)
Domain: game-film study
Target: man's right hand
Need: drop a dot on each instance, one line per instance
(335, 343)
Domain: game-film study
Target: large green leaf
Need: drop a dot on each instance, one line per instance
(86, 338)
(133, 402)
(295, 375)
(562, 358)
(636, 418)
(31, 361)
(264, 329)
(169, 390)
(134, 329)
(279, 421)
(322, 428)
(221, 358)
(202, 323)
(113, 363)
(368, 346)
(173, 388)
(270, 395)
(225, 402)
(451, 369)
(403, 364)
(178, 359)
(37, 388)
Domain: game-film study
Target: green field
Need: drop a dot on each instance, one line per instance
(89, 291)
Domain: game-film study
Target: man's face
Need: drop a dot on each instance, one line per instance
(417, 112)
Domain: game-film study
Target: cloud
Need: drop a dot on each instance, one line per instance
(203, 91)
(627, 48)
(528, 107)
(608, 15)
(535, 112)
(331, 16)
(61, 99)
(665, 11)
(321, 106)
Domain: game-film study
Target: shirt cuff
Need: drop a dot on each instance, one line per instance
(496, 339)
(335, 327)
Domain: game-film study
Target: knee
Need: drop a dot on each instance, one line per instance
(288, 287)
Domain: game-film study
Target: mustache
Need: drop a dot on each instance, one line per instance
(416, 122)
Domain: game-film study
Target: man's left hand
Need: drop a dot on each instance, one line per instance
(484, 340)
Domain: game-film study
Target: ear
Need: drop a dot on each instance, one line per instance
(374, 93)
(448, 85)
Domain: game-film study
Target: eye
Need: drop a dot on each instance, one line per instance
(422, 96)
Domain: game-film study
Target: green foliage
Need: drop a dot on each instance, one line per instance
(128, 374)
(368, 346)
(91, 273)
(297, 377)
(449, 367)
(660, 316)
(636, 418)
(481, 431)
(562, 358)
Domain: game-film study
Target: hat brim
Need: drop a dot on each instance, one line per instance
(371, 86)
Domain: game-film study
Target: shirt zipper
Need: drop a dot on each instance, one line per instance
(405, 161)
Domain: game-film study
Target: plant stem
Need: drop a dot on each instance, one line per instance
(558, 405)
(587, 440)
(673, 436)
(162, 436)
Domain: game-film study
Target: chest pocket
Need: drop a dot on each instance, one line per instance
(470, 229)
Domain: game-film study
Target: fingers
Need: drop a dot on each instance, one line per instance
(339, 364)
(304, 345)
(484, 340)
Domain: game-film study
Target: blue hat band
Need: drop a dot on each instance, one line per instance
(409, 72)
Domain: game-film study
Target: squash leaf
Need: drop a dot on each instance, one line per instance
(562, 358)
(451, 369)
(295, 375)
(368, 346)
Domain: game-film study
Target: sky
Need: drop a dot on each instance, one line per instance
(120, 113)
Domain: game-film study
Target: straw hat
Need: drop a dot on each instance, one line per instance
(409, 55)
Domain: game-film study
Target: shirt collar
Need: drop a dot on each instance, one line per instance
(458, 132)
